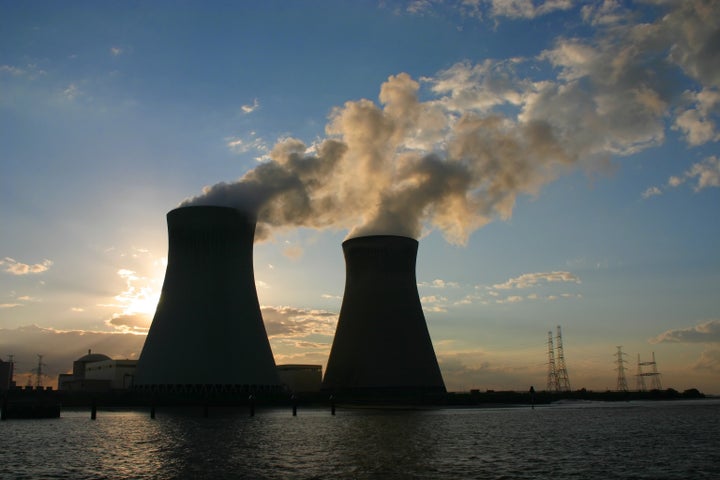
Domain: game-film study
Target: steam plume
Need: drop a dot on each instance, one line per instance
(461, 159)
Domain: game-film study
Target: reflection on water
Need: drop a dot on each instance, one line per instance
(670, 440)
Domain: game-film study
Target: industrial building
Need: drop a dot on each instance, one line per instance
(119, 373)
(382, 344)
(207, 333)
(6, 375)
(96, 372)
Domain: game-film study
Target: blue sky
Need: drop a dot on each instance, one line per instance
(558, 162)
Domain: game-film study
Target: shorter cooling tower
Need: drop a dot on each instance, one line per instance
(208, 332)
(381, 344)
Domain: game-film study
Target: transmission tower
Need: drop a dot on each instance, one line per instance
(654, 375)
(639, 377)
(621, 381)
(38, 371)
(563, 383)
(552, 383)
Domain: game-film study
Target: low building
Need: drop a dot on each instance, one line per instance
(96, 372)
(301, 378)
(120, 373)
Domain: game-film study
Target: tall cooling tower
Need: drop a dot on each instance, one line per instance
(208, 331)
(382, 342)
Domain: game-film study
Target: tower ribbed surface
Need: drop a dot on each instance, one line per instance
(382, 343)
(208, 329)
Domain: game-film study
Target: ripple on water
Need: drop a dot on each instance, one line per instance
(668, 441)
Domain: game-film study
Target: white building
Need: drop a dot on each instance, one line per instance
(120, 373)
(96, 372)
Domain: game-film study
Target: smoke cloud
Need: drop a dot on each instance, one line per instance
(458, 154)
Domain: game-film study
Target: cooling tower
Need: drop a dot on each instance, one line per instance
(381, 344)
(208, 332)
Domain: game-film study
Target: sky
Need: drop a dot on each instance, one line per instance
(558, 162)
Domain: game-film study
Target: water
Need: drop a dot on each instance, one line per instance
(636, 440)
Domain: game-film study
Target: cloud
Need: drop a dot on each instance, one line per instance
(706, 332)
(71, 92)
(250, 108)
(527, 8)
(30, 71)
(115, 51)
(439, 283)
(291, 322)
(696, 122)
(651, 192)
(10, 305)
(433, 303)
(709, 361)
(510, 299)
(608, 12)
(61, 347)
(706, 172)
(528, 280)
(250, 143)
(129, 323)
(418, 7)
(137, 303)
(293, 252)
(17, 268)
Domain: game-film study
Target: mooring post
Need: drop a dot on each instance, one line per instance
(332, 405)
(251, 401)
(532, 397)
(294, 406)
(93, 410)
(152, 410)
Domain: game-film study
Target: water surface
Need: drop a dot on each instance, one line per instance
(628, 440)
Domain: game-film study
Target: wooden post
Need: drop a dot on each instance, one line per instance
(532, 397)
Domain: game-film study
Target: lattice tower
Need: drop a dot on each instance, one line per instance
(552, 380)
(640, 378)
(562, 374)
(621, 380)
(38, 371)
(654, 375)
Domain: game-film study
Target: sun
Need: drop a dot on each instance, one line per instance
(138, 301)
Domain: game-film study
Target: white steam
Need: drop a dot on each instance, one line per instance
(460, 159)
